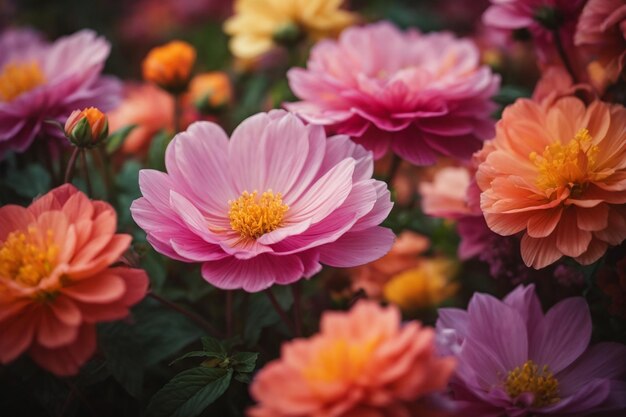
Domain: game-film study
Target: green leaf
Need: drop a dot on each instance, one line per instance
(212, 345)
(245, 361)
(131, 347)
(190, 392)
(243, 378)
(197, 354)
(156, 153)
(117, 138)
(261, 314)
(29, 182)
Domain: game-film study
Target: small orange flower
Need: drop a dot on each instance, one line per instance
(169, 66)
(87, 128)
(57, 280)
(210, 91)
(364, 362)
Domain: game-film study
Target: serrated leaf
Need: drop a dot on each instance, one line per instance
(245, 361)
(117, 138)
(130, 347)
(190, 392)
(212, 345)
(197, 354)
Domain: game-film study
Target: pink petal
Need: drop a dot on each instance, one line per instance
(357, 248)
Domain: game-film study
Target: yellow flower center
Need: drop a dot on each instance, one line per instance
(567, 165)
(341, 360)
(26, 259)
(253, 216)
(19, 78)
(529, 378)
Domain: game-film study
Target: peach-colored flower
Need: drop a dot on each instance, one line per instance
(556, 173)
(362, 363)
(56, 278)
(556, 82)
(210, 91)
(404, 255)
(602, 31)
(446, 195)
(146, 106)
(87, 127)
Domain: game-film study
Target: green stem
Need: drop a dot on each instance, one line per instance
(71, 165)
(196, 318)
(83, 157)
(279, 310)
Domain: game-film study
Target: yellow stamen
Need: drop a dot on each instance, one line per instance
(252, 216)
(19, 78)
(26, 259)
(569, 165)
(529, 378)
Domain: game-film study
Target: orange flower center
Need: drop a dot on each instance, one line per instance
(567, 165)
(341, 360)
(253, 216)
(529, 378)
(19, 78)
(26, 258)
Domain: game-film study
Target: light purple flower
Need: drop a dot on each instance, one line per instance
(41, 81)
(516, 361)
(266, 206)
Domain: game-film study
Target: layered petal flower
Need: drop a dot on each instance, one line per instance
(516, 360)
(57, 280)
(419, 95)
(555, 173)
(40, 82)
(266, 206)
(361, 363)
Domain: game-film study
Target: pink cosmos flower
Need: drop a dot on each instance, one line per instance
(57, 278)
(602, 31)
(541, 18)
(420, 95)
(41, 81)
(362, 363)
(267, 206)
(514, 360)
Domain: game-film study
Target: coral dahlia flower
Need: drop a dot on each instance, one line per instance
(556, 173)
(420, 95)
(516, 360)
(266, 206)
(56, 278)
(40, 82)
(602, 30)
(364, 362)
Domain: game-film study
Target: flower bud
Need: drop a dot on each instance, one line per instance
(210, 92)
(169, 66)
(87, 128)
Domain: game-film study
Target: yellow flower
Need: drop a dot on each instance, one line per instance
(424, 286)
(259, 25)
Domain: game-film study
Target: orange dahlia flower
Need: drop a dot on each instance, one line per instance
(56, 278)
(556, 172)
(362, 363)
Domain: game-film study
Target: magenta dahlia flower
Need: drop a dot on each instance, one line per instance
(420, 95)
(514, 360)
(267, 206)
(41, 82)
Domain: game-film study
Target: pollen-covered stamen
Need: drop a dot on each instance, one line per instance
(530, 378)
(569, 165)
(252, 216)
(19, 78)
(26, 258)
